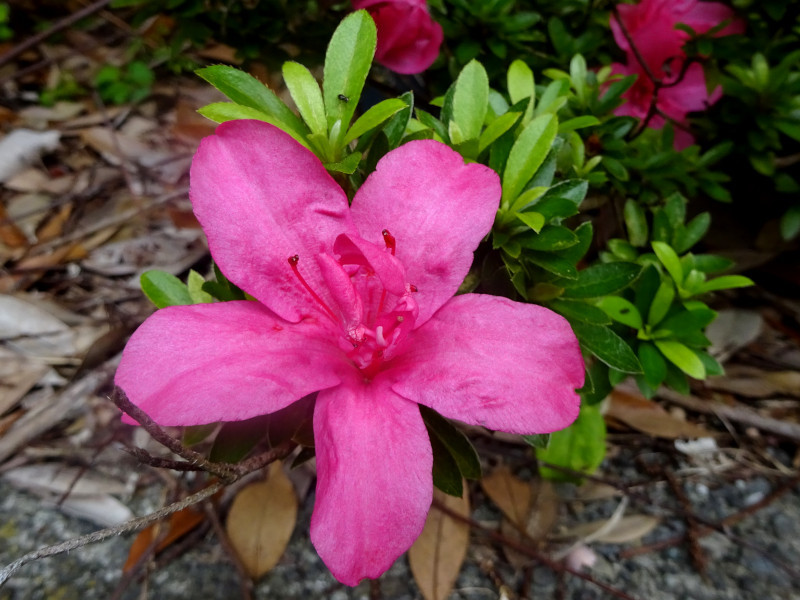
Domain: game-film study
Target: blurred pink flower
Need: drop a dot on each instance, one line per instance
(651, 26)
(408, 38)
(355, 303)
(674, 102)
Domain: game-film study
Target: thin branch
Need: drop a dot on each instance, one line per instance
(64, 23)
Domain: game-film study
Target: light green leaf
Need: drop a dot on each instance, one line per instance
(520, 82)
(682, 357)
(373, 117)
(470, 101)
(578, 123)
(164, 289)
(496, 128)
(220, 112)
(348, 165)
(306, 95)
(347, 64)
(579, 447)
(670, 260)
(635, 222)
(246, 90)
(534, 220)
(621, 310)
(725, 282)
(662, 301)
(195, 285)
(527, 154)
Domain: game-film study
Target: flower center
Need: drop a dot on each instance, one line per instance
(366, 296)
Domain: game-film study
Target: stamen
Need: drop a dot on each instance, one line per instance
(379, 336)
(412, 288)
(389, 240)
(293, 260)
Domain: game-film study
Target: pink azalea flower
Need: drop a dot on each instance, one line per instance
(356, 303)
(675, 102)
(651, 26)
(408, 38)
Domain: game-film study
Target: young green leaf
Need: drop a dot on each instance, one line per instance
(527, 155)
(373, 117)
(306, 95)
(246, 90)
(635, 222)
(496, 128)
(661, 303)
(348, 165)
(347, 64)
(621, 310)
(579, 447)
(220, 112)
(725, 282)
(164, 289)
(682, 357)
(194, 284)
(470, 102)
(670, 260)
(520, 82)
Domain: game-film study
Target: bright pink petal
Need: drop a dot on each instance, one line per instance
(437, 208)
(707, 15)
(690, 95)
(374, 483)
(188, 365)
(262, 198)
(488, 361)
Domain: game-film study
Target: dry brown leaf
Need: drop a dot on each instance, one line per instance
(179, 524)
(436, 557)
(10, 234)
(541, 518)
(646, 416)
(261, 521)
(17, 375)
(510, 494)
(628, 529)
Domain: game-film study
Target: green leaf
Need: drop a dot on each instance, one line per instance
(347, 64)
(534, 220)
(552, 263)
(520, 82)
(635, 222)
(374, 117)
(446, 475)
(686, 237)
(580, 311)
(527, 155)
(195, 286)
(348, 165)
(470, 101)
(655, 369)
(246, 90)
(579, 447)
(662, 301)
(682, 357)
(236, 439)
(578, 123)
(497, 128)
(306, 95)
(790, 223)
(457, 444)
(399, 123)
(670, 260)
(725, 282)
(432, 122)
(220, 112)
(607, 346)
(538, 440)
(164, 289)
(601, 279)
(621, 310)
(549, 239)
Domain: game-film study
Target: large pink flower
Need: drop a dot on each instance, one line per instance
(356, 303)
(651, 26)
(408, 38)
(674, 102)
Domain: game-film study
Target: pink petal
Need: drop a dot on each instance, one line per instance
(262, 198)
(690, 95)
(436, 207)
(707, 15)
(188, 365)
(374, 483)
(486, 360)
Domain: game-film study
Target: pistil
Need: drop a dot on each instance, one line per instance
(293, 260)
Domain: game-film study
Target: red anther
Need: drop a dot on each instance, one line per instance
(293, 260)
(412, 287)
(389, 240)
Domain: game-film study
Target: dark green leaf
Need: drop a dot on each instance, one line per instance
(538, 440)
(550, 238)
(236, 439)
(580, 311)
(607, 346)
(446, 475)
(457, 444)
(601, 279)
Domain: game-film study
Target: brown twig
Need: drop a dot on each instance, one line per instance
(693, 529)
(64, 23)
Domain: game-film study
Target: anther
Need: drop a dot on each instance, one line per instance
(389, 240)
(412, 288)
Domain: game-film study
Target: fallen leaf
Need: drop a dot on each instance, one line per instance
(509, 493)
(641, 414)
(17, 376)
(733, 329)
(10, 235)
(541, 518)
(179, 524)
(438, 553)
(261, 521)
(23, 146)
(627, 529)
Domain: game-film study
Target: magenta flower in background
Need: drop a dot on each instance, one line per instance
(356, 303)
(651, 26)
(674, 102)
(408, 38)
